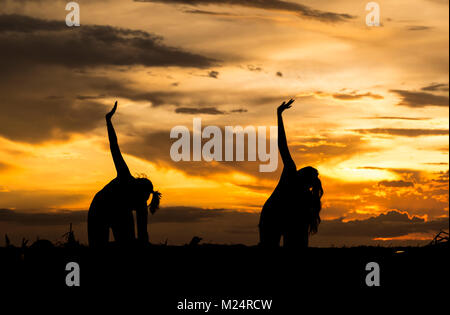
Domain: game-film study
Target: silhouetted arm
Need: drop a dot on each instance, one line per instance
(282, 141)
(141, 222)
(119, 162)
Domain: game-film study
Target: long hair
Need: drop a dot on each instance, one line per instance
(310, 177)
(154, 204)
(147, 186)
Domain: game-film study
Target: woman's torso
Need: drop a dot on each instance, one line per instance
(287, 204)
(116, 196)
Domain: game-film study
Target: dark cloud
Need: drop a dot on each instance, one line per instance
(207, 12)
(207, 110)
(355, 96)
(187, 214)
(31, 113)
(273, 5)
(404, 132)
(420, 99)
(213, 74)
(60, 217)
(397, 118)
(279, 74)
(239, 110)
(418, 28)
(199, 110)
(64, 217)
(391, 224)
(396, 183)
(36, 120)
(52, 42)
(38, 58)
(254, 68)
(436, 87)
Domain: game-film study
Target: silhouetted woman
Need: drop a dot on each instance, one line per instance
(113, 205)
(292, 211)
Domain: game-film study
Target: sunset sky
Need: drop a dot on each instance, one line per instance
(371, 112)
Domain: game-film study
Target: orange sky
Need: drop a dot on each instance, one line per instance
(371, 110)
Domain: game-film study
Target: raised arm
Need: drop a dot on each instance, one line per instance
(282, 141)
(119, 162)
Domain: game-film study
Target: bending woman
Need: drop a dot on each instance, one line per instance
(292, 211)
(113, 205)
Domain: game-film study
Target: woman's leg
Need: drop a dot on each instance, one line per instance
(123, 227)
(98, 229)
(269, 232)
(296, 236)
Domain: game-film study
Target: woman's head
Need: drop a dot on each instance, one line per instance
(144, 188)
(309, 181)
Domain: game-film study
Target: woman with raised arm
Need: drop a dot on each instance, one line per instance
(292, 211)
(113, 205)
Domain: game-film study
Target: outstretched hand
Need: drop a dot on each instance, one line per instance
(111, 113)
(284, 106)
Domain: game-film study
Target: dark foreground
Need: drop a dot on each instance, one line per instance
(167, 275)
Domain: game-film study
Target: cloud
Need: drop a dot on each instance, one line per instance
(60, 217)
(418, 28)
(272, 5)
(52, 42)
(239, 110)
(404, 132)
(254, 68)
(397, 118)
(177, 214)
(396, 183)
(208, 12)
(207, 110)
(279, 74)
(37, 120)
(200, 110)
(436, 87)
(187, 214)
(420, 99)
(355, 96)
(351, 96)
(391, 224)
(213, 74)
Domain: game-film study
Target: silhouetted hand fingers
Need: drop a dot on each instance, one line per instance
(111, 113)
